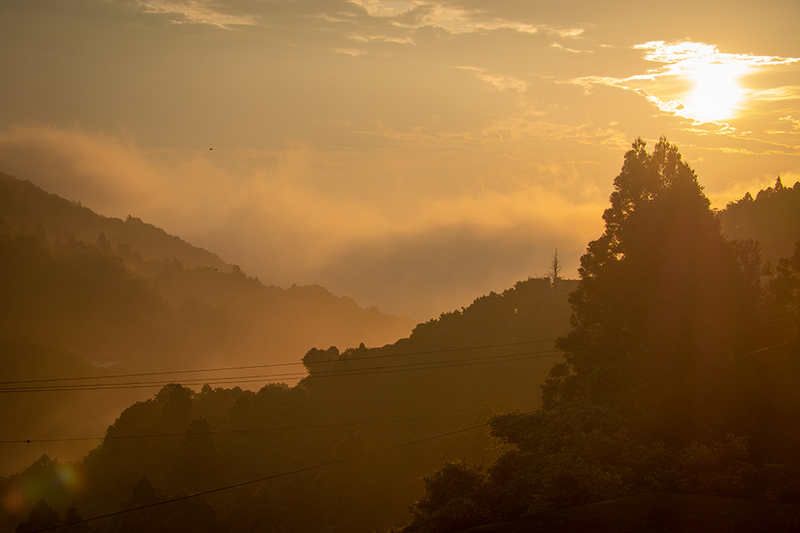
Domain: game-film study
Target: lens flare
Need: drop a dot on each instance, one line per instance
(67, 476)
(55, 478)
(13, 500)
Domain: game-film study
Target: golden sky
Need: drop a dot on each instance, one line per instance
(411, 155)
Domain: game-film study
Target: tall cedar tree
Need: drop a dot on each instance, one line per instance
(661, 312)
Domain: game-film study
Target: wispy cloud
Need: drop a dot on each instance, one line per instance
(381, 39)
(689, 56)
(456, 20)
(349, 51)
(385, 8)
(713, 74)
(498, 81)
(793, 121)
(789, 92)
(197, 12)
(362, 247)
(572, 50)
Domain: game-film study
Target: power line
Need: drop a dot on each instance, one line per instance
(142, 374)
(768, 348)
(272, 365)
(265, 478)
(424, 365)
(252, 430)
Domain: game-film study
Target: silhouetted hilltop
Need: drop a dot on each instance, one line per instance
(24, 206)
(671, 365)
(114, 306)
(679, 374)
(451, 372)
(772, 218)
(77, 279)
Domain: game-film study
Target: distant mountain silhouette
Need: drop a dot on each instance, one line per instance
(772, 218)
(449, 373)
(124, 296)
(24, 205)
(421, 399)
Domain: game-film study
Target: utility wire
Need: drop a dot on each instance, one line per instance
(142, 374)
(423, 365)
(252, 430)
(265, 478)
(766, 349)
(222, 369)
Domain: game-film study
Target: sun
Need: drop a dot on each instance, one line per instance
(716, 92)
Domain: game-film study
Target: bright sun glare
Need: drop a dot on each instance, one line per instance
(716, 92)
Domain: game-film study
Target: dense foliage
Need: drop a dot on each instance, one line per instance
(662, 310)
(772, 217)
(679, 374)
(680, 369)
(451, 372)
(102, 306)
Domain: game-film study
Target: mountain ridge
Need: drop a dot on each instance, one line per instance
(23, 205)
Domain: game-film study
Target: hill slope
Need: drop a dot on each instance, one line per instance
(450, 373)
(24, 206)
(148, 302)
(772, 218)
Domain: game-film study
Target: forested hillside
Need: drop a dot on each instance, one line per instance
(680, 370)
(100, 307)
(772, 218)
(677, 371)
(27, 208)
(451, 373)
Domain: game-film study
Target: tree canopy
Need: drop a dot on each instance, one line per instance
(661, 305)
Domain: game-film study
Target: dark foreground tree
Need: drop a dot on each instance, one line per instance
(666, 383)
(661, 312)
(42, 517)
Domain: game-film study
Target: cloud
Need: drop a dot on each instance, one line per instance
(405, 14)
(714, 75)
(775, 94)
(79, 163)
(453, 19)
(381, 39)
(571, 50)
(276, 217)
(498, 81)
(791, 120)
(384, 8)
(687, 56)
(350, 51)
(454, 250)
(197, 12)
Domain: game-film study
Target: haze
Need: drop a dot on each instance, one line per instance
(411, 155)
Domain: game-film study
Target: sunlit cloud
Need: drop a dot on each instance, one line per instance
(349, 51)
(346, 18)
(399, 13)
(309, 234)
(572, 50)
(790, 92)
(385, 8)
(196, 12)
(690, 57)
(715, 95)
(791, 120)
(497, 81)
(381, 39)
(456, 20)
